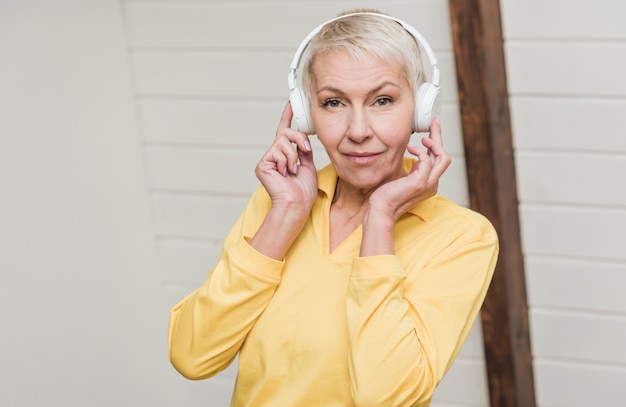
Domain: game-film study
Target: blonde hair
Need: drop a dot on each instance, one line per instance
(361, 34)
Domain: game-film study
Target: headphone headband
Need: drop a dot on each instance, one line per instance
(416, 34)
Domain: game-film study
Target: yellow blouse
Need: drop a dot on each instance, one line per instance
(335, 329)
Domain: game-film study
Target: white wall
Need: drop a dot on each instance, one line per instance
(211, 80)
(79, 321)
(566, 62)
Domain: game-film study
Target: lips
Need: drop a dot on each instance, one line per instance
(361, 158)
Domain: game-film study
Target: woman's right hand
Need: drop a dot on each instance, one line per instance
(289, 176)
(287, 173)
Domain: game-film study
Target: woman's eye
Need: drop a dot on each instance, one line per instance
(331, 103)
(383, 101)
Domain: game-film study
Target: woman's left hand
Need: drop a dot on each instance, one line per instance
(422, 182)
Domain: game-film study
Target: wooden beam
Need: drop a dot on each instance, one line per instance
(483, 97)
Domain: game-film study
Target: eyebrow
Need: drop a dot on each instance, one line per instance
(370, 92)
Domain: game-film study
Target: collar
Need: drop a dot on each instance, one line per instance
(327, 182)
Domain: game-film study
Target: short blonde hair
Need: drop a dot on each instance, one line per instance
(361, 34)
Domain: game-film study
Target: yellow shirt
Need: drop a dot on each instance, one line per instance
(334, 329)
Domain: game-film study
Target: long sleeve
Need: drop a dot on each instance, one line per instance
(409, 316)
(208, 327)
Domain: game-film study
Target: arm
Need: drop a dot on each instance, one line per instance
(209, 326)
(408, 319)
(392, 200)
(402, 316)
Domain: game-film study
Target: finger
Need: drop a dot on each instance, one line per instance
(435, 130)
(439, 156)
(434, 142)
(285, 155)
(285, 117)
(306, 158)
(434, 148)
(284, 130)
(424, 162)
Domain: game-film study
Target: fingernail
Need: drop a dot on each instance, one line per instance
(295, 168)
(307, 145)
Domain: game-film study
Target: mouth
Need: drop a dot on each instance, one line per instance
(361, 158)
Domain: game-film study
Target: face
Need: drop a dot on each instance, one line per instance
(362, 110)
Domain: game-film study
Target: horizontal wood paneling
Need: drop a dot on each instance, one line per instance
(568, 19)
(565, 64)
(563, 68)
(577, 232)
(579, 385)
(563, 283)
(571, 178)
(591, 338)
(236, 24)
(187, 261)
(195, 216)
(253, 74)
(203, 169)
(218, 122)
(585, 124)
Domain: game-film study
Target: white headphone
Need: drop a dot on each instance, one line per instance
(427, 97)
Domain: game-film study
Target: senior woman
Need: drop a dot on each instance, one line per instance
(354, 285)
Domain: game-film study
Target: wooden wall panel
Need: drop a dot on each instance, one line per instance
(565, 63)
(483, 97)
(581, 284)
(571, 384)
(194, 169)
(567, 68)
(572, 19)
(216, 74)
(196, 216)
(574, 232)
(186, 261)
(263, 24)
(569, 335)
(210, 122)
(569, 124)
(565, 178)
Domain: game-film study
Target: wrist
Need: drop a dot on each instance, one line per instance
(279, 230)
(378, 234)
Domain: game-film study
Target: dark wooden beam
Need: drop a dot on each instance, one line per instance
(490, 161)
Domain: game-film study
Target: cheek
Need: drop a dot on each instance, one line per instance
(329, 129)
(395, 129)
(330, 144)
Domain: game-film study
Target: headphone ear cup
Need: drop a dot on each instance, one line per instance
(300, 108)
(427, 105)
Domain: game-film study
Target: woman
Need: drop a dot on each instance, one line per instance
(355, 285)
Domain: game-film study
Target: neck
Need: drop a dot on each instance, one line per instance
(347, 197)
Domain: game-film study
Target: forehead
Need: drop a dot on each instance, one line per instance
(336, 67)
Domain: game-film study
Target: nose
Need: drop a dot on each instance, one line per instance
(358, 127)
